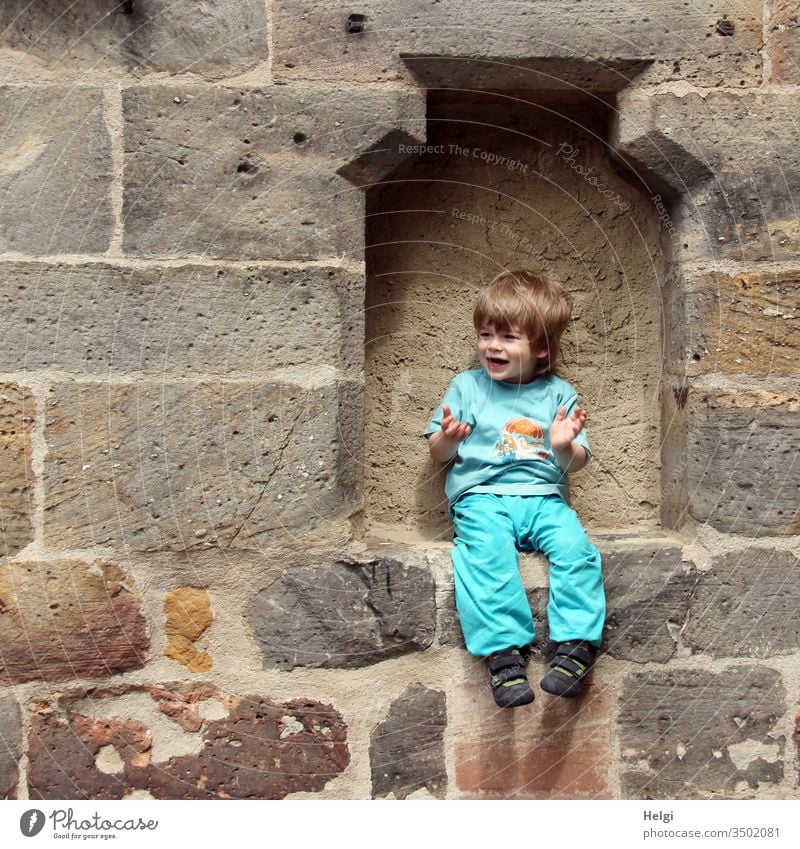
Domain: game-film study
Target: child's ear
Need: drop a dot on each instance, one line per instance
(543, 353)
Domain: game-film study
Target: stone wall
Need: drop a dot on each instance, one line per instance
(195, 600)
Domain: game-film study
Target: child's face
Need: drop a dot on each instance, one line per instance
(505, 354)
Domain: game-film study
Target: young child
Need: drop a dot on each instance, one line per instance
(513, 430)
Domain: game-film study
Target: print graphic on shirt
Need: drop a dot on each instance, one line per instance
(521, 439)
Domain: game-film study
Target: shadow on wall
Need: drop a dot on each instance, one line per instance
(503, 182)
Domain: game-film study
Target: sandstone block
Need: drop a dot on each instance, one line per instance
(10, 745)
(747, 605)
(783, 42)
(648, 592)
(55, 171)
(740, 473)
(179, 36)
(692, 734)
(101, 319)
(552, 749)
(17, 415)
(743, 324)
(251, 173)
(192, 465)
(107, 744)
(188, 614)
(61, 620)
(311, 39)
(407, 749)
(344, 615)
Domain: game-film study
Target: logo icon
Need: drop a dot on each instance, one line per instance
(31, 822)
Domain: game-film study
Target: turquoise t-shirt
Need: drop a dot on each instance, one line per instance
(508, 451)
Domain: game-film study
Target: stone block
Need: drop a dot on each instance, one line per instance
(744, 323)
(65, 619)
(696, 734)
(55, 171)
(196, 319)
(344, 615)
(188, 613)
(648, 592)
(10, 745)
(312, 40)
(180, 466)
(251, 173)
(182, 741)
(178, 36)
(689, 138)
(17, 417)
(783, 42)
(745, 208)
(552, 749)
(407, 749)
(740, 472)
(747, 605)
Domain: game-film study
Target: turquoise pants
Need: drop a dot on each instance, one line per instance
(492, 606)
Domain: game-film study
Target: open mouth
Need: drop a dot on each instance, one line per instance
(496, 362)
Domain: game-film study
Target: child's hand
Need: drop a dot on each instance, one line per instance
(452, 428)
(564, 429)
(443, 444)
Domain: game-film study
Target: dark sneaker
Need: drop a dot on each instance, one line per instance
(569, 668)
(510, 686)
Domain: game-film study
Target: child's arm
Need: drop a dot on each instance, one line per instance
(443, 444)
(570, 456)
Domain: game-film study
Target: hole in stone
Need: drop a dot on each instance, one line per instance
(356, 23)
(509, 181)
(247, 167)
(299, 138)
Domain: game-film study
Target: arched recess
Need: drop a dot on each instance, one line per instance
(507, 177)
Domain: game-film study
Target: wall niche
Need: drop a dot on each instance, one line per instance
(509, 180)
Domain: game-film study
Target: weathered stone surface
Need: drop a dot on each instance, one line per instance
(648, 591)
(10, 745)
(747, 605)
(692, 734)
(191, 465)
(65, 619)
(742, 476)
(17, 416)
(344, 615)
(181, 36)
(746, 208)
(101, 319)
(743, 324)
(251, 173)
(407, 749)
(783, 42)
(188, 614)
(311, 39)
(182, 742)
(55, 171)
(552, 749)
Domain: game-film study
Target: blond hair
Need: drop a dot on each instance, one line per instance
(539, 308)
